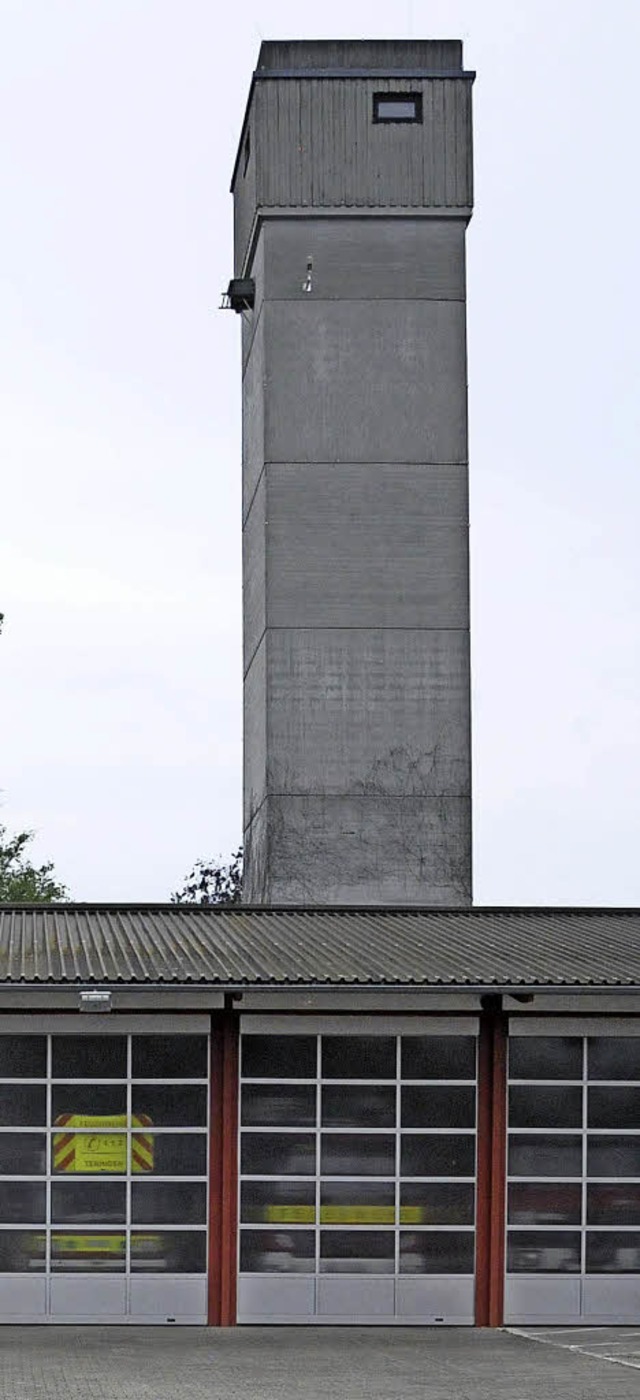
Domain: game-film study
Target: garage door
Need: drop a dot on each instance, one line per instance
(357, 1157)
(573, 1231)
(103, 1175)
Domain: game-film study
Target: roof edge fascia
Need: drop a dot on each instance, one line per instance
(237, 989)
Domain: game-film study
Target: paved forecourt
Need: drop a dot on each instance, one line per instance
(620, 1345)
(136, 1363)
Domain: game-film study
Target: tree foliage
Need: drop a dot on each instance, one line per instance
(213, 881)
(20, 881)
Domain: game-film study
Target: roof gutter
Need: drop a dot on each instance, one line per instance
(236, 989)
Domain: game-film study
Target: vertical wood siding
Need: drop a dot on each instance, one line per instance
(244, 190)
(317, 146)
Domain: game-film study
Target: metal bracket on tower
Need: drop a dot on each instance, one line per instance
(240, 295)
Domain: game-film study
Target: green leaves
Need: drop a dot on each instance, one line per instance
(20, 881)
(213, 882)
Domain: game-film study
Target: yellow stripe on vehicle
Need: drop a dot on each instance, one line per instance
(344, 1215)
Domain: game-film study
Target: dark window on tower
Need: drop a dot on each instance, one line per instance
(397, 106)
(247, 152)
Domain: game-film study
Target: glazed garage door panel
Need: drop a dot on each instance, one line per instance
(573, 1164)
(103, 1176)
(357, 1162)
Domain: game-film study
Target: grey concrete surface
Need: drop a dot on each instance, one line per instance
(323, 849)
(619, 1345)
(253, 412)
(93, 1363)
(254, 582)
(375, 713)
(366, 545)
(358, 257)
(355, 508)
(363, 381)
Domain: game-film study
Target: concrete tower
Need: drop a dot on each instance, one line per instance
(352, 192)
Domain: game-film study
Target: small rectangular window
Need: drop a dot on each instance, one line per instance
(247, 152)
(279, 1057)
(358, 1057)
(436, 1252)
(283, 1105)
(397, 106)
(357, 1251)
(543, 1251)
(277, 1251)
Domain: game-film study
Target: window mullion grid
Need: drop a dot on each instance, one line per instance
(48, 1174)
(507, 1180)
(216, 1148)
(318, 1162)
(475, 1169)
(585, 1124)
(509, 1176)
(128, 1165)
(208, 1162)
(396, 1259)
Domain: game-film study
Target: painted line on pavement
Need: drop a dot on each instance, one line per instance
(577, 1350)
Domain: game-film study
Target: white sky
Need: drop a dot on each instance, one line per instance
(120, 664)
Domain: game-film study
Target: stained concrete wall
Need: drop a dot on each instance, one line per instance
(356, 597)
(352, 850)
(370, 712)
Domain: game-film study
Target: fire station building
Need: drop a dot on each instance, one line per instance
(319, 1115)
(355, 1097)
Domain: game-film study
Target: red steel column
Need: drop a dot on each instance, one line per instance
(498, 1171)
(490, 1209)
(229, 1194)
(483, 1170)
(215, 1172)
(223, 1173)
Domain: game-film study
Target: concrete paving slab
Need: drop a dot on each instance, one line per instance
(614, 1344)
(136, 1363)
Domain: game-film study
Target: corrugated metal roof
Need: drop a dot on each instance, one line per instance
(235, 946)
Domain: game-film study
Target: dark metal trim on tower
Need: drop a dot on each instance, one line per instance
(264, 75)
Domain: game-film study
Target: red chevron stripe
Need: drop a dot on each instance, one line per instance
(142, 1163)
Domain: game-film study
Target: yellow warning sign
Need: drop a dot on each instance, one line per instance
(101, 1150)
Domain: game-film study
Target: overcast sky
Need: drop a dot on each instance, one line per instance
(120, 664)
